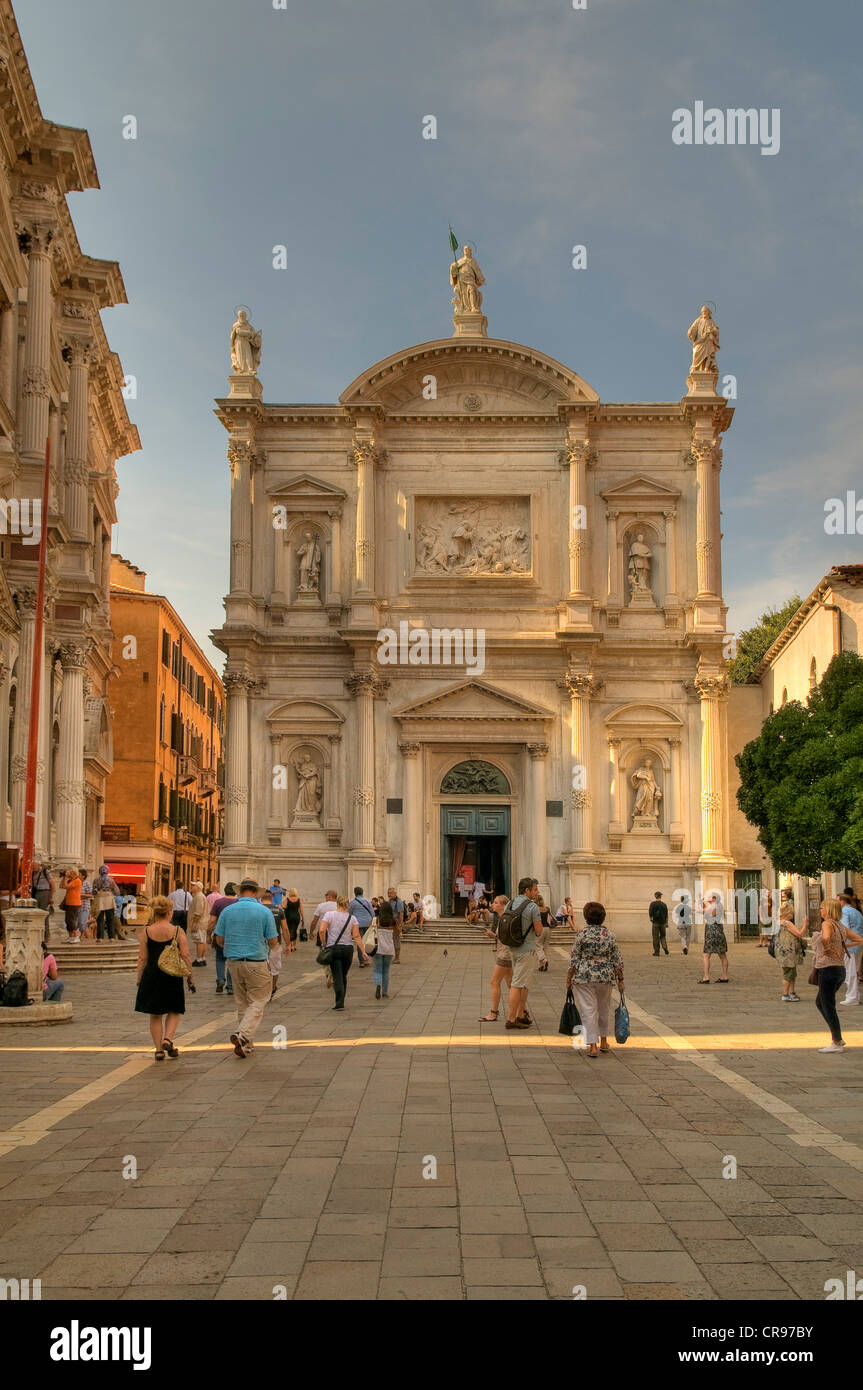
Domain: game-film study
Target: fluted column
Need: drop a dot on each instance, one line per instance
(577, 454)
(277, 808)
(77, 468)
(18, 752)
(611, 515)
(365, 456)
(538, 752)
(704, 522)
(240, 458)
(69, 789)
(8, 354)
(716, 522)
(39, 236)
(5, 750)
(581, 687)
(712, 690)
(673, 810)
(364, 686)
(237, 759)
(412, 814)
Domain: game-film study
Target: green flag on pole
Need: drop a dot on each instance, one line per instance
(453, 243)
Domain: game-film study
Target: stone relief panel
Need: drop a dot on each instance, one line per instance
(487, 536)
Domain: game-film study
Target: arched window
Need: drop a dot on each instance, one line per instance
(813, 674)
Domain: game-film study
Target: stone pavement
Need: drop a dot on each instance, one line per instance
(301, 1170)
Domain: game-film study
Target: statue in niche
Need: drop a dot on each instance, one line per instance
(309, 556)
(639, 566)
(309, 789)
(466, 278)
(704, 336)
(648, 794)
(245, 346)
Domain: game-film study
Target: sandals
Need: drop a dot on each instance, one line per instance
(169, 1047)
(704, 982)
(491, 1016)
(723, 980)
(160, 1056)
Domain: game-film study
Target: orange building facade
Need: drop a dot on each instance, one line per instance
(165, 798)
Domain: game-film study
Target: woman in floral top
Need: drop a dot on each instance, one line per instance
(594, 965)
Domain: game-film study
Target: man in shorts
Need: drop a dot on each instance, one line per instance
(198, 921)
(502, 972)
(524, 956)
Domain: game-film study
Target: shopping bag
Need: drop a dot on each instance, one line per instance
(621, 1021)
(570, 1019)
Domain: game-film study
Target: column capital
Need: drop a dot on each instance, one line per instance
(364, 450)
(704, 451)
(582, 685)
(577, 450)
(712, 687)
(78, 352)
(409, 750)
(73, 655)
(240, 454)
(26, 600)
(237, 681)
(537, 751)
(614, 743)
(37, 236)
(366, 683)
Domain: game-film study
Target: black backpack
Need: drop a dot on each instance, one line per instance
(510, 931)
(15, 992)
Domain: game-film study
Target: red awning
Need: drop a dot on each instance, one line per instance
(124, 872)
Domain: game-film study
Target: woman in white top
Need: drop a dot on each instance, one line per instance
(340, 929)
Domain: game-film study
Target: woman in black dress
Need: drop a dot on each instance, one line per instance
(160, 995)
(293, 910)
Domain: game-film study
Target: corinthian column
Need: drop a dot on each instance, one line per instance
(364, 686)
(412, 814)
(581, 687)
(712, 691)
(240, 458)
(69, 789)
(18, 752)
(538, 752)
(577, 453)
(705, 540)
(364, 455)
(237, 759)
(37, 237)
(77, 471)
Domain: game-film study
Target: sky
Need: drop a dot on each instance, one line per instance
(302, 126)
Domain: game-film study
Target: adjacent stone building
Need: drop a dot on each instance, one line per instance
(475, 623)
(59, 380)
(163, 810)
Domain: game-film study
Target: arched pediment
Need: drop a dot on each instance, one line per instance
(304, 717)
(492, 375)
(641, 718)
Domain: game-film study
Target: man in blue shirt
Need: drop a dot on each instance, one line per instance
(247, 933)
(852, 919)
(278, 892)
(361, 908)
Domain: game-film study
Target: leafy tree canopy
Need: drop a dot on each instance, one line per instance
(755, 641)
(801, 780)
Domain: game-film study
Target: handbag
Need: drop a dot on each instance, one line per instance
(171, 961)
(771, 947)
(621, 1021)
(325, 954)
(570, 1018)
(370, 940)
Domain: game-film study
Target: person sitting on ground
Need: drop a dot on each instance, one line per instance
(565, 914)
(502, 972)
(52, 985)
(417, 910)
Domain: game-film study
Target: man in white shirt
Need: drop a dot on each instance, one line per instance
(478, 891)
(181, 901)
(330, 898)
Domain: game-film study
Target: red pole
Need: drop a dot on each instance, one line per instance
(35, 689)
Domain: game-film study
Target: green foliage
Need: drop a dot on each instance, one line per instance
(801, 780)
(755, 641)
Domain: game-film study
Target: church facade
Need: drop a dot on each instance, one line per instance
(475, 629)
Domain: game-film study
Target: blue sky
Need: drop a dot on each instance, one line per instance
(303, 127)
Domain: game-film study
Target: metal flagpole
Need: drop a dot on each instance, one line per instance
(35, 689)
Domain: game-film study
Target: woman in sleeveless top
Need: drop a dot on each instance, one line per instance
(160, 995)
(293, 910)
(829, 947)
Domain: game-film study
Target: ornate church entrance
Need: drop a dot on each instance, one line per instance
(475, 847)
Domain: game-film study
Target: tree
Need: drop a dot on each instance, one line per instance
(801, 780)
(755, 641)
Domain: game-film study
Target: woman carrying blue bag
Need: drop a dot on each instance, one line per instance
(594, 965)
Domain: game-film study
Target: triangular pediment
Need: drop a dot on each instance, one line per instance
(305, 487)
(473, 699)
(640, 488)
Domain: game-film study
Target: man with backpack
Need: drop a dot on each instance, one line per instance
(519, 927)
(658, 914)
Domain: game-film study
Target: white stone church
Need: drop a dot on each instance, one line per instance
(475, 628)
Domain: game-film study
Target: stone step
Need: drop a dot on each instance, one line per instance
(95, 957)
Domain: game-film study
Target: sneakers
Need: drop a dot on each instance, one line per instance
(229, 990)
(843, 1002)
(686, 950)
(377, 991)
(794, 998)
(196, 964)
(220, 988)
(787, 998)
(833, 1047)
(241, 1047)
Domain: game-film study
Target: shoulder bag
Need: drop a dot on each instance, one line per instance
(171, 961)
(325, 954)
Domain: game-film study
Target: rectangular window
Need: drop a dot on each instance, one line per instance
(163, 802)
(175, 660)
(173, 807)
(166, 647)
